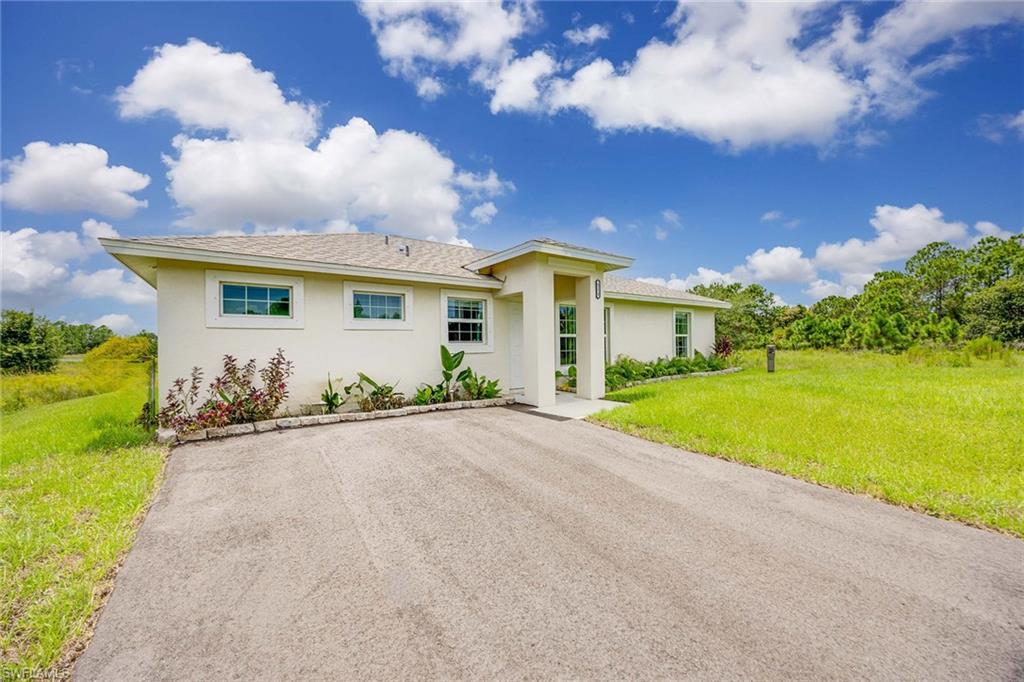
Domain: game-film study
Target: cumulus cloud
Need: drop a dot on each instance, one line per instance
(417, 40)
(702, 276)
(602, 225)
(40, 265)
(205, 88)
(671, 217)
(899, 233)
(116, 283)
(820, 288)
(271, 172)
(587, 36)
(119, 323)
(71, 177)
(734, 74)
(484, 213)
(780, 264)
(515, 84)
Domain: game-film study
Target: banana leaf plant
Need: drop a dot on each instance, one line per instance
(449, 363)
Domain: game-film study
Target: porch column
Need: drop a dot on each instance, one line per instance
(539, 335)
(589, 337)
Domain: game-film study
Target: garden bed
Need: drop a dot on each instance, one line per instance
(169, 436)
(672, 377)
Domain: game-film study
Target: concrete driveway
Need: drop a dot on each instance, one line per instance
(498, 544)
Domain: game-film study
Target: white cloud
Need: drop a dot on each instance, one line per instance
(770, 216)
(671, 217)
(118, 323)
(429, 88)
(418, 39)
(515, 84)
(602, 224)
(587, 36)
(116, 283)
(272, 173)
(660, 233)
(899, 233)
(735, 74)
(488, 185)
(71, 177)
(820, 288)
(780, 264)
(206, 88)
(999, 128)
(484, 213)
(984, 228)
(702, 276)
(36, 262)
(37, 266)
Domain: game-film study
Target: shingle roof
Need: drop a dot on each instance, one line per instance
(364, 249)
(361, 249)
(624, 285)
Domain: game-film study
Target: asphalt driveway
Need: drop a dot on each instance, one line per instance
(497, 544)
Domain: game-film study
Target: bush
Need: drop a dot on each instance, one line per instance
(127, 348)
(723, 346)
(985, 347)
(626, 370)
(28, 343)
(478, 387)
(375, 396)
(234, 397)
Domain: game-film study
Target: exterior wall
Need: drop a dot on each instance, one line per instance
(408, 357)
(645, 331)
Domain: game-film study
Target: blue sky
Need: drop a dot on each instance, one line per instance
(804, 148)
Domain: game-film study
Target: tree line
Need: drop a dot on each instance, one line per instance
(33, 343)
(943, 295)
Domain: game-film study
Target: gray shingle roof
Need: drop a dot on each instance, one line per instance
(365, 249)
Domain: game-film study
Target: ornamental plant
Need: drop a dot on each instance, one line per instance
(234, 397)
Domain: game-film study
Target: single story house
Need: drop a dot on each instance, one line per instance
(383, 305)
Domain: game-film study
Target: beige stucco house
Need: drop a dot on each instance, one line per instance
(382, 305)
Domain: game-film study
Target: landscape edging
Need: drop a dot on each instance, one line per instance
(171, 437)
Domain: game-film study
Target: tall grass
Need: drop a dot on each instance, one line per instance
(74, 479)
(70, 380)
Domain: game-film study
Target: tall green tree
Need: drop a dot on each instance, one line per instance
(993, 259)
(753, 316)
(939, 269)
(28, 342)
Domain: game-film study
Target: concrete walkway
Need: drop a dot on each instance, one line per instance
(571, 406)
(494, 543)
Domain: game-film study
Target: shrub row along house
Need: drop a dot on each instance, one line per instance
(344, 303)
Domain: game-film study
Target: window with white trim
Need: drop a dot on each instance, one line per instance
(370, 305)
(467, 320)
(682, 334)
(566, 334)
(607, 336)
(255, 299)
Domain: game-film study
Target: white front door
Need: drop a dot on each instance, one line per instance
(515, 346)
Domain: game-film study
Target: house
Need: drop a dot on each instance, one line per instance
(380, 304)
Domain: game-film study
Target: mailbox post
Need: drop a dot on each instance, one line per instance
(771, 357)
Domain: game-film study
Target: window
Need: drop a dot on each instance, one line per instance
(253, 300)
(682, 334)
(367, 305)
(377, 306)
(566, 335)
(250, 299)
(607, 336)
(466, 320)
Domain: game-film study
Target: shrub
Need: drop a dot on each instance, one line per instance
(234, 397)
(442, 392)
(478, 387)
(70, 380)
(331, 399)
(127, 348)
(374, 395)
(723, 346)
(984, 347)
(626, 370)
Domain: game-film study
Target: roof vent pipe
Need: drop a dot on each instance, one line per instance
(387, 239)
(406, 249)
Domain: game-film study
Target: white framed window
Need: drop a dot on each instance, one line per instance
(254, 300)
(682, 334)
(608, 312)
(566, 334)
(467, 321)
(377, 306)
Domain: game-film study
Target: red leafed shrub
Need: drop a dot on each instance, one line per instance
(723, 346)
(234, 397)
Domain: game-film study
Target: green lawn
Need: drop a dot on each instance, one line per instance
(75, 477)
(948, 441)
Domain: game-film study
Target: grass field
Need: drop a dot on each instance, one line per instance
(75, 477)
(947, 441)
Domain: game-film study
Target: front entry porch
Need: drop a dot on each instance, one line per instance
(572, 406)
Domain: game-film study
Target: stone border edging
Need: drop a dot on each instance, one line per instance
(170, 437)
(672, 377)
